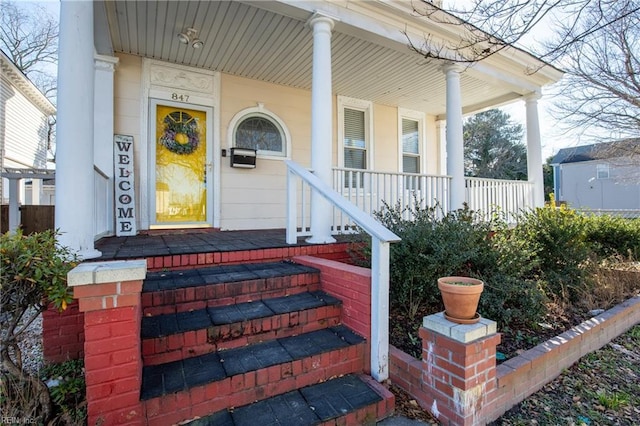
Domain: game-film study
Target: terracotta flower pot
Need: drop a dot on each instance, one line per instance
(461, 296)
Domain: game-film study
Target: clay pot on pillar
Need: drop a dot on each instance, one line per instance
(460, 296)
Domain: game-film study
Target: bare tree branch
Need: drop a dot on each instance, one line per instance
(28, 37)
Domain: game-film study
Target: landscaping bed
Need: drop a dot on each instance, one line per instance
(551, 271)
(603, 388)
(615, 283)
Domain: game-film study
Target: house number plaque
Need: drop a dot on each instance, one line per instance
(124, 184)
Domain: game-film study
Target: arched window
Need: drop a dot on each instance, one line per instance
(259, 129)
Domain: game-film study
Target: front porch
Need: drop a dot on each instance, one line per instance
(335, 85)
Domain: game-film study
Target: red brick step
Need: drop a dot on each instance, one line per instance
(175, 336)
(186, 290)
(198, 386)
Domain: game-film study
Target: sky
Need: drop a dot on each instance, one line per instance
(553, 138)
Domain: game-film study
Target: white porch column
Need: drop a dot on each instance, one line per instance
(74, 153)
(104, 129)
(455, 145)
(321, 126)
(534, 150)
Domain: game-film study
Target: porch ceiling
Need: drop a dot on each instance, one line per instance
(276, 46)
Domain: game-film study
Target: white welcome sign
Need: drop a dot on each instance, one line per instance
(124, 184)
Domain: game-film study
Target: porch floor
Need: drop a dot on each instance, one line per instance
(191, 241)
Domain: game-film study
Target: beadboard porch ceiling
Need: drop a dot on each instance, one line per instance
(269, 41)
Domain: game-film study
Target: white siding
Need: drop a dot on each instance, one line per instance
(255, 198)
(581, 188)
(25, 128)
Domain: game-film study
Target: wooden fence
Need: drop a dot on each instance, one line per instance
(32, 218)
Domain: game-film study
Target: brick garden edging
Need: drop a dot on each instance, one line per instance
(474, 391)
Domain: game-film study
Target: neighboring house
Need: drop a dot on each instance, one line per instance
(604, 176)
(328, 85)
(24, 125)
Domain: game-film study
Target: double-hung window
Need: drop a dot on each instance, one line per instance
(355, 137)
(411, 146)
(355, 144)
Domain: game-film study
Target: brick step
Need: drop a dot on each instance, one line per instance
(202, 385)
(186, 290)
(171, 337)
(190, 254)
(347, 400)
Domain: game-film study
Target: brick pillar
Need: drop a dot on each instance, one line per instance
(459, 369)
(109, 295)
(62, 334)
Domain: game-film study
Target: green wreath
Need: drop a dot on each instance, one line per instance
(180, 133)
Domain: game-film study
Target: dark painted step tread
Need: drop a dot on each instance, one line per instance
(303, 407)
(168, 280)
(180, 375)
(167, 324)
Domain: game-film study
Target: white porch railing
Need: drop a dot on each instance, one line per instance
(380, 239)
(368, 189)
(102, 201)
(624, 213)
(509, 196)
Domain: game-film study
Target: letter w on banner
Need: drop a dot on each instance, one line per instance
(124, 184)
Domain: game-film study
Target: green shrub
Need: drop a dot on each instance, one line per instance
(34, 274)
(611, 235)
(432, 247)
(556, 240)
(547, 255)
(67, 388)
(509, 261)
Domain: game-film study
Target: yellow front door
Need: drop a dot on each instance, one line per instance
(180, 169)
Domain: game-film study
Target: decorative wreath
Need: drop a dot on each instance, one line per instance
(180, 133)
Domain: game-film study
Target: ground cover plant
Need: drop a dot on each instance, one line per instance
(541, 276)
(34, 275)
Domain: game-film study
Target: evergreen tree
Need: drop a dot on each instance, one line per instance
(493, 147)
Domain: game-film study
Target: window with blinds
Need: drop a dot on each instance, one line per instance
(355, 145)
(410, 146)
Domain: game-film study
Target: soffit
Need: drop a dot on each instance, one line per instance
(252, 42)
